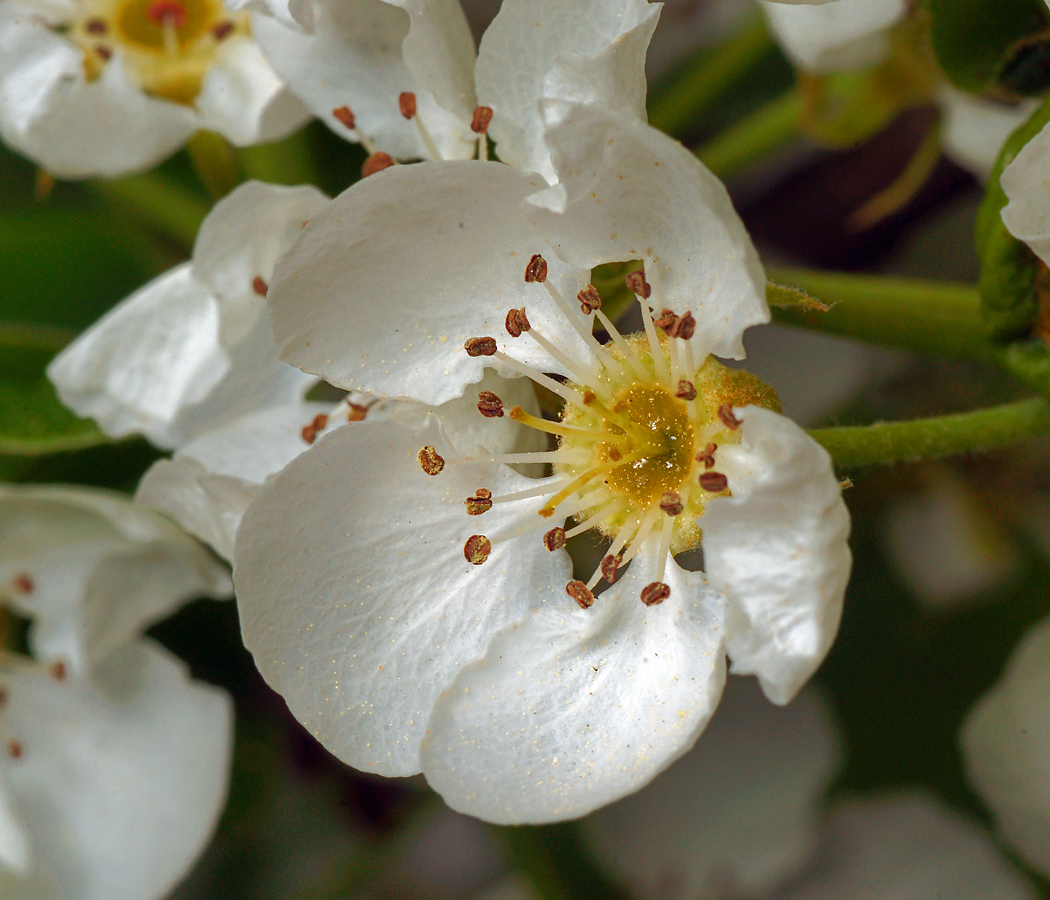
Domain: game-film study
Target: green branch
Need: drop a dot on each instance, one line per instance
(889, 442)
(753, 137)
(160, 202)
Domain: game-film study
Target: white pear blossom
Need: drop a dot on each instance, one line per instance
(113, 763)
(105, 87)
(1006, 747)
(411, 597)
(1027, 186)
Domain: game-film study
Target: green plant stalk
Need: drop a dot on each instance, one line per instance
(159, 202)
(932, 438)
(215, 163)
(693, 89)
(290, 161)
(921, 316)
(766, 129)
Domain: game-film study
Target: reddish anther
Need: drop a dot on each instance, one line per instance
(58, 671)
(655, 593)
(222, 30)
(260, 286)
(686, 390)
(490, 405)
(355, 412)
(707, 455)
(536, 270)
(610, 566)
(479, 503)
(480, 346)
(479, 122)
(103, 52)
(636, 282)
(15, 749)
(345, 115)
(554, 539)
(96, 26)
(24, 584)
(715, 482)
(590, 299)
(406, 102)
(725, 414)
(477, 549)
(671, 503)
(517, 322)
(580, 593)
(430, 460)
(376, 163)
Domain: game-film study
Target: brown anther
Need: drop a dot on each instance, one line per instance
(57, 670)
(479, 122)
(536, 270)
(589, 397)
(480, 346)
(725, 413)
(609, 567)
(580, 593)
(430, 461)
(665, 321)
(715, 482)
(15, 749)
(517, 322)
(671, 503)
(222, 30)
(355, 412)
(309, 432)
(655, 593)
(345, 115)
(477, 549)
(637, 284)
(104, 52)
(707, 455)
(260, 286)
(96, 26)
(554, 539)
(478, 504)
(615, 454)
(406, 102)
(376, 163)
(24, 584)
(590, 299)
(686, 390)
(684, 327)
(483, 493)
(490, 405)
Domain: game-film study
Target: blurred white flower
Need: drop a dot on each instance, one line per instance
(104, 87)
(114, 763)
(410, 644)
(1006, 747)
(1027, 186)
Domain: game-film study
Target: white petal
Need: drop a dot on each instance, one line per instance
(973, 129)
(1006, 747)
(389, 280)
(14, 842)
(72, 127)
(242, 99)
(908, 847)
(1026, 182)
(355, 597)
(120, 781)
(588, 51)
(777, 549)
(630, 192)
(846, 34)
(295, 14)
(353, 57)
(571, 709)
(759, 772)
(103, 569)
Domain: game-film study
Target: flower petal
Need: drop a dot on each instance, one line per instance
(846, 34)
(72, 127)
(759, 771)
(1027, 185)
(297, 14)
(243, 100)
(120, 781)
(777, 549)
(974, 129)
(385, 285)
(100, 569)
(588, 51)
(355, 597)
(630, 192)
(353, 57)
(908, 845)
(1006, 747)
(571, 709)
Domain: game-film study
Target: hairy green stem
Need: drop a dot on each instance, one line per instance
(692, 89)
(753, 137)
(921, 316)
(159, 202)
(932, 438)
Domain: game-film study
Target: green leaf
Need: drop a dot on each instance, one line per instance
(1008, 268)
(792, 298)
(975, 40)
(33, 421)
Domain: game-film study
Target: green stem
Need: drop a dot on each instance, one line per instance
(692, 89)
(159, 202)
(921, 316)
(888, 442)
(214, 162)
(753, 137)
(291, 161)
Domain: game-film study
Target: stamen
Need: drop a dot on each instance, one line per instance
(725, 414)
(480, 503)
(96, 26)
(517, 322)
(15, 749)
(490, 405)
(479, 122)
(554, 539)
(707, 455)
(578, 374)
(430, 461)
(346, 115)
(103, 52)
(580, 593)
(548, 510)
(527, 494)
(309, 432)
(604, 513)
(643, 533)
(260, 286)
(477, 549)
(519, 415)
(407, 104)
(541, 456)
(480, 346)
(637, 284)
(585, 331)
(222, 30)
(686, 390)
(610, 566)
(672, 348)
(629, 528)
(655, 593)
(355, 412)
(715, 482)
(665, 548)
(659, 363)
(671, 503)
(23, 583)
(589, 299)
(376, 162)
(57, 670)
(536, 269)
(562, 390)
(632, 360)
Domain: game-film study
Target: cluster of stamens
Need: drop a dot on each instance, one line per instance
(378, 160)
(637, 436)
(167, 44)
